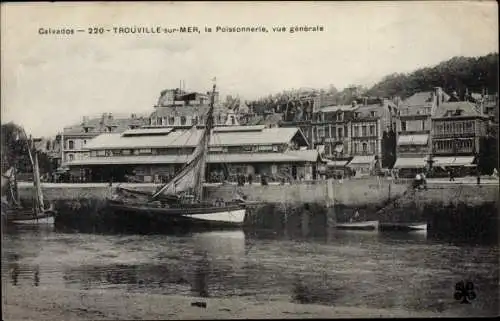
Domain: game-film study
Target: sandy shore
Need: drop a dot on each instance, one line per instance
(61, 304)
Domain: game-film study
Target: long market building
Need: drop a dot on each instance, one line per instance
(155, 154)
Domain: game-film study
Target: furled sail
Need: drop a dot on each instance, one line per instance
(39, 205)
(191, 177)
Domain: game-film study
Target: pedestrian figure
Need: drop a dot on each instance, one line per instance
(452, 178)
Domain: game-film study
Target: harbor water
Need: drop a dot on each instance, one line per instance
(340, 268)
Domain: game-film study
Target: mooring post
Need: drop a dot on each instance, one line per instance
(330, 204)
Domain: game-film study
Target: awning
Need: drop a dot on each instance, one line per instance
(413, 139)
(443, 161)
(463, 161)
(362, 160)
(339, 163)
(453, 161)
(410, 162)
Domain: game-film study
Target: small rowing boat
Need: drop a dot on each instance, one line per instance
(364, 226)
(404, 227)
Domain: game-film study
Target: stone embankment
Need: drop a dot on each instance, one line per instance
(445, 206)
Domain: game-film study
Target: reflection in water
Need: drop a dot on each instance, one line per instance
(343, 268)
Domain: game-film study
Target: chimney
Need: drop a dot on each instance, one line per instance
(438, 93)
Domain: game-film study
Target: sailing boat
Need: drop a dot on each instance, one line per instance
(180, 201)
(13, 211)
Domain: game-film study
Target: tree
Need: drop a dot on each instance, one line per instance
(15, 150)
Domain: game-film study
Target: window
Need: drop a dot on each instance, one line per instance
(116, 152)
(372, 130)
(195, 120)
(363, 129)
(373, 114)
(339, 116)
(71, 157)
(183, 120)
(356, 131)
(321, 132)
(126, 152)
(71, 144)
(108, 153)
(339, 132)
(365, 147)
(93, 153)
(101, 153)
(84, 142)
(423, 125)
(145, 151)
(86, 129)
(171, 120)
(373, 147)
(355, 147)
(232, 120)
(403, 126)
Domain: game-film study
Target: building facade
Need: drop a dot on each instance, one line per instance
(178, 108)
(76, 137)
(414, 125)
(457, 129)
(156, 154)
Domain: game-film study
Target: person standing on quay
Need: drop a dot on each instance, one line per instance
(452, 178)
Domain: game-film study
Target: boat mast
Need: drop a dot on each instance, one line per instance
(205, 140)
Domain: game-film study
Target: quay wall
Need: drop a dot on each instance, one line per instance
(465, 209)
(351, 193)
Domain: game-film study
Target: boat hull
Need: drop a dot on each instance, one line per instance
(358, 226)
(26, 216)
(404, 227)
(232, 215)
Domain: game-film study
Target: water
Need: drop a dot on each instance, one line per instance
(359, 269)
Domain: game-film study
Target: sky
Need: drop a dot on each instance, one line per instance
(49, 82)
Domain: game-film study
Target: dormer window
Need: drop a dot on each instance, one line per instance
(372, 113)
(458, 112)
(85, 129)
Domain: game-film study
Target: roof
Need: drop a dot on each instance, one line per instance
(410, 162)
(291, 156)
(273, 119)
(333, 109)
(147, 131)
(421, 99)
(413, 139)
(177, 138)
(468, 109)
(368, 159)
(121, 160)
(98, 125)
(190, 138)
(267, 136)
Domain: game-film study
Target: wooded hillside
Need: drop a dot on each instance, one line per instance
(456, 74)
